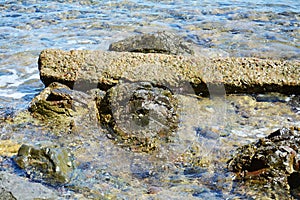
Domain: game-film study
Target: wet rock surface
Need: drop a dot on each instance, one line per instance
(295, 103)
(51, 164)
(273, 162)
(174, 144)
(83, 69)
(13, 187)
(138, 115)
(159, 42)
(63, 107)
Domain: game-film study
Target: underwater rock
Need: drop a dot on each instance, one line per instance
(13, 187)
(6, 195)
(51, 164)
(64, 107)
(294, 102)
(138, 115)
(268, 165)
(8, 148)
(159, 42)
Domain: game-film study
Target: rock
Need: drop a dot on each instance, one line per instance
(294, 102)
(83, 70)
(13, 187)
(159, 42)
(8, 148)
(6, 195)
(63, 107)
(139, 114)
(268, 165)
(51, 164)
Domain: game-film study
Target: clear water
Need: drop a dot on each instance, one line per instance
(236, 27)
(226, 28)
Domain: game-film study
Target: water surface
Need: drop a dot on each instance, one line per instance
(266, 29)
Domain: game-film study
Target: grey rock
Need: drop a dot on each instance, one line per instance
(138, 114)
(294, 102)
(269, 164)
(50, 164)
(159, 42)
(13, 187)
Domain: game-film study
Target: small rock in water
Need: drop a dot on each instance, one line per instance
(159, 42)
(269, 164)
(270, 97)
(51, 164)
(138, 115)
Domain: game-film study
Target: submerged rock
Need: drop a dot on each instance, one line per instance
(294, 102)
(138, 115)
(51, 164)
(13, 187)
(6, 195)
(159, 42)
(269, 165)
(83, 69)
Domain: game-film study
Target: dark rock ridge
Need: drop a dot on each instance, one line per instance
(272, 162)
(139, 114)
(159, 42)
(51, 164)
(83, 70)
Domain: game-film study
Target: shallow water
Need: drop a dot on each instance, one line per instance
(238, 28)
(223, 28)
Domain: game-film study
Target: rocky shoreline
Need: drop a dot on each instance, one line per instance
(103, 105)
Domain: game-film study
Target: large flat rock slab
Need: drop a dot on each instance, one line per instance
(86, 69)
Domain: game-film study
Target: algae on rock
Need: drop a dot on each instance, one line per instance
(52, 164)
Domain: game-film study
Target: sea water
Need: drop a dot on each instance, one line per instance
(266, 29)
(234, 28)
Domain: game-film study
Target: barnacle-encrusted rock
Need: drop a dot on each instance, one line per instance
(159, 42)
(83, 70)
(51, 164)
(270, 164)
(139, 114)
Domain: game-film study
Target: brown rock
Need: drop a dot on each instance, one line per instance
(83, 70)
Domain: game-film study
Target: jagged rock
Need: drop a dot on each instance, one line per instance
(13, 187)
(64, 107)
(138, 114)
(51, 164)
(270, 164)
(159, 42)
